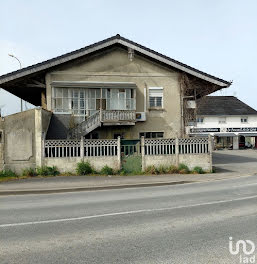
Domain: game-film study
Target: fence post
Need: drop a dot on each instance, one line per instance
(210, 145)
(119, 153)
(82, 148)
(177, 151)
(43, 147)
(143, 152)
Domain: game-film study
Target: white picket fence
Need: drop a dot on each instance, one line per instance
(78, 148)
(173, 146)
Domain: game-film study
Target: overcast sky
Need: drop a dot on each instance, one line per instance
(218, 37)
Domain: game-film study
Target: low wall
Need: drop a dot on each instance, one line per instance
(68, 164)
(193, 160)
(158, 160)
(166, 152)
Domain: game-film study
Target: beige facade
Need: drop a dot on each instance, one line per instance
(115, 66)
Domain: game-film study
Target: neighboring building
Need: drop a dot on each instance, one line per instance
(232, 122)
(112, 88)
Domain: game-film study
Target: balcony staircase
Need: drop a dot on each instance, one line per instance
(103, 117)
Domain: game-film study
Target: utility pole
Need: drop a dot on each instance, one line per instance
(11, 55)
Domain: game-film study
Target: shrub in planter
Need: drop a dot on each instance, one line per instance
(106, 170)
(7, 173)
(84, 168)
(29, 172)
(198, 170)
(183, 169)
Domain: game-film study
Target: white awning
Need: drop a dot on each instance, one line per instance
(248, 134)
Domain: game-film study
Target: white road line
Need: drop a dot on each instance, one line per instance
(125, 212)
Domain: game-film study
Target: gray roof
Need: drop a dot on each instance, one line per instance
(115, 40)
(223, 106)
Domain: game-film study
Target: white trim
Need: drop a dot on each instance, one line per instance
(155, 88)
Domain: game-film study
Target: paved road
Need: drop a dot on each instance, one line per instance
(188, 223)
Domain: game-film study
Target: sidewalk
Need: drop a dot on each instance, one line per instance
(83, 183)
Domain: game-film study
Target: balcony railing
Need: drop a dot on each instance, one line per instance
(118, 115)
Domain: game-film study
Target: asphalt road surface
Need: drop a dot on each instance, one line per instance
(188, 223)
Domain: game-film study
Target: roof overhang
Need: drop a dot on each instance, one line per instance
(107, 43)
(11, 81)
(82, 84)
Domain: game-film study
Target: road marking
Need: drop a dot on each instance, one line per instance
(126, 212)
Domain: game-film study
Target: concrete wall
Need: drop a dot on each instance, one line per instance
(69, 164)
(191, 160)
(22, 145)
(114, 66)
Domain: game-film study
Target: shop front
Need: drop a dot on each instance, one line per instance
(229, 138)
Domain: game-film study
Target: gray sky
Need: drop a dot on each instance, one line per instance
(218, 37)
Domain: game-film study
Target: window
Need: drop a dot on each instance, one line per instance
(244, 119)
(151, 134)
(222, 120)
(83, 102)
(199, 119)
(94, 135)
(1, 136)
(155, 97)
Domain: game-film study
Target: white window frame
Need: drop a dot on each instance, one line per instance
(158, 92)
(85, 104)
(244, 119)
(222, 120)
(200, 118)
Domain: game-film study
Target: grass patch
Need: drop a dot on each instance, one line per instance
(47, 171)
(7, 174)
(30, 172)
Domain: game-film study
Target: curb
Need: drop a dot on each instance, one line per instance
(93, 188)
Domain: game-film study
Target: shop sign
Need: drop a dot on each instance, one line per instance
(242, 129)
(204, 130)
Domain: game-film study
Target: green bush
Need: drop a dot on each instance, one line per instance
(7, 173)
(47, 171)
(29, 172)
(198, 170)
(106, 170)
(183, 169)
(173, 169)
(84, 168)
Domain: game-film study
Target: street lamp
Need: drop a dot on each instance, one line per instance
(11, 55)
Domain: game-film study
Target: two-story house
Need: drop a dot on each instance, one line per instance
(112, 88)
(231, 122)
